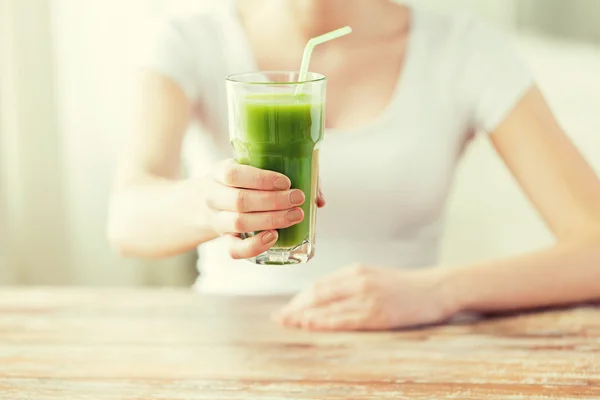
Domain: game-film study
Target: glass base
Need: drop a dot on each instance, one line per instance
(300, 254)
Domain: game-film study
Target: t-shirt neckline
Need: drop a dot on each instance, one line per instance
(239, 36)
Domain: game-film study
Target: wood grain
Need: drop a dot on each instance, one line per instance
(174, 344)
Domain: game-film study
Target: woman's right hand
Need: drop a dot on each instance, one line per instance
(243, 199)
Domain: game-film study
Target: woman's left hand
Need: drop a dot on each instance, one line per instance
(371, 298)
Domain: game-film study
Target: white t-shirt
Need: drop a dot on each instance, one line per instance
(385, 207)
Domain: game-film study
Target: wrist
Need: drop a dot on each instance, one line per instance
(450, 286)
(462, 288)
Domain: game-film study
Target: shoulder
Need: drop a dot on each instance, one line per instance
(190, 28)
(464, 44)
(458, 32)
(478, 63)
(178, 47)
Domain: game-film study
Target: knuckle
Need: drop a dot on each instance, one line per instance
(234, 254)
(215, 221)
(319, 291)
(210, 203)
(359, 270)
(262, 179)
(239, 223)
(372, 306)
(240, 201)
(213, 190)
(277, 220)
(364, 285)
(233, 248)
(231, 174)
(267, 200)
(277, 201)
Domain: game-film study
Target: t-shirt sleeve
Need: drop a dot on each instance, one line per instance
(494, 79)
(169, 52)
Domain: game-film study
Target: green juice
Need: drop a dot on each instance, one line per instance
(282, 133)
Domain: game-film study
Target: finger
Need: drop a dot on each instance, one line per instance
(226, 198)
(318, 295)
(251, 247)
(338, 323)
(297, 316)
(230, 173)
(320, 198)
(232, 222)
(341, 283)
(348, 314)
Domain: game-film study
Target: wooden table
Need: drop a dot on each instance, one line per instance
(170, 344)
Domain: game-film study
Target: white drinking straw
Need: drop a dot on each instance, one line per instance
(312, 43)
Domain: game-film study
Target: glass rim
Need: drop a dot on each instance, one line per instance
(235, 78)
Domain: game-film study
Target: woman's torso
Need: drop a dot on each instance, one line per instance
(386, 181)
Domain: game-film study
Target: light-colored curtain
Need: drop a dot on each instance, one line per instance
(32, 191)
(63, 82)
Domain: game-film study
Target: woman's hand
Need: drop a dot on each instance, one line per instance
(370, 298)
(244, 199)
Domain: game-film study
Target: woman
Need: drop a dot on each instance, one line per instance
(408, 89)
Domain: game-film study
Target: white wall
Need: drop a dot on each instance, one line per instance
(576, 19)
(501, 13)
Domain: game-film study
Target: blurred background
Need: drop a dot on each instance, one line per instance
(66, 68)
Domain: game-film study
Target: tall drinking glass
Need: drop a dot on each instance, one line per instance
(277, 123)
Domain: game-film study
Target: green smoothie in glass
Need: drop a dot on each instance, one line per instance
(281, 133)
(279, 128)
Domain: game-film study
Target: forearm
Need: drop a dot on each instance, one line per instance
(157, 217)
(564, 274)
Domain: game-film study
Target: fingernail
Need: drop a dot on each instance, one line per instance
(297, 198)
(295, 215)
(282, 183)
(268, 237)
